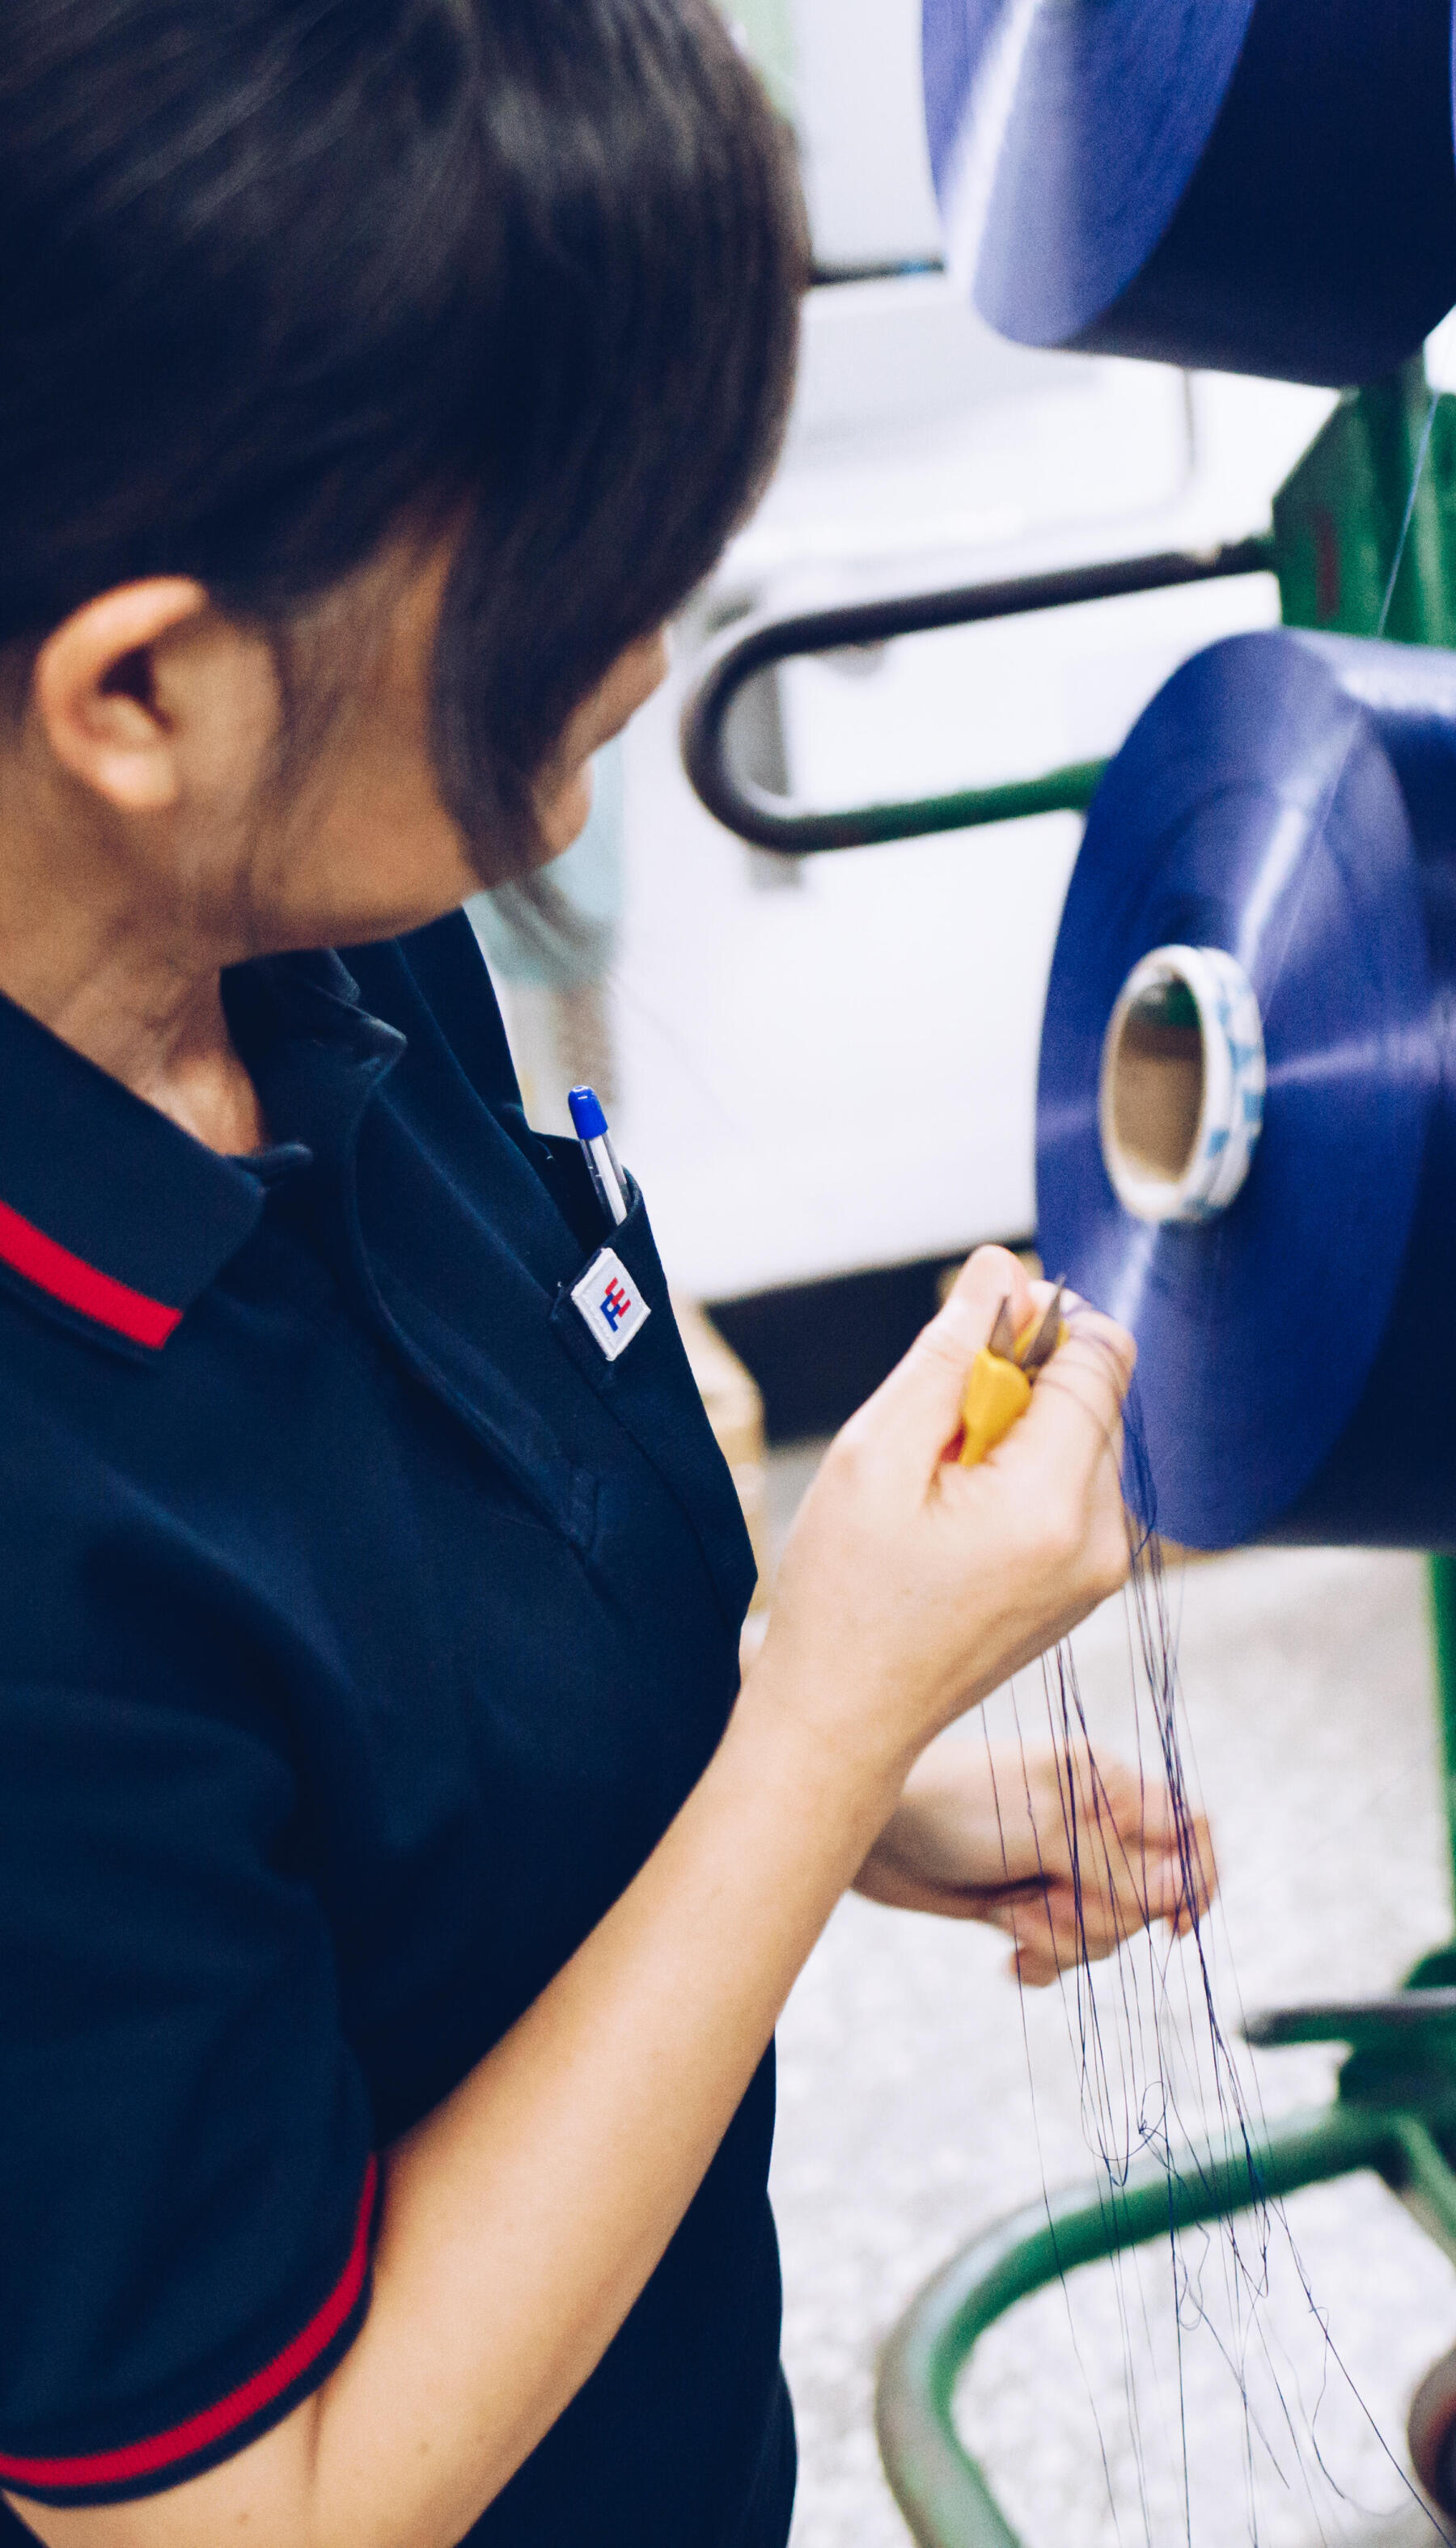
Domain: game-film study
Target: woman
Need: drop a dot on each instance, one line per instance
(397, 1893)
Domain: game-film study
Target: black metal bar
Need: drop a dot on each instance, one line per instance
(755, 646)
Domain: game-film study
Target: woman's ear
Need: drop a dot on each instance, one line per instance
(100, 693)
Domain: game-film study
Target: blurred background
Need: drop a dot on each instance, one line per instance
(823, 1074)
(827, 1066)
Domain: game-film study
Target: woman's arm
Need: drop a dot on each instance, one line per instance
(522, 2219)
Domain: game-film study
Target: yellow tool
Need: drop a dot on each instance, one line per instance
(999, 1389)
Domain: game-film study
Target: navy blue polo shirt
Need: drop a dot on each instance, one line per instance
(363, 1624)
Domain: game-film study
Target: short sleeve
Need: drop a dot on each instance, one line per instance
(186, 2179)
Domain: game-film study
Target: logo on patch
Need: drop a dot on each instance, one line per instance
(611, 1303)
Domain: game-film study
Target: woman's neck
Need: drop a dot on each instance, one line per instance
(141, 1000)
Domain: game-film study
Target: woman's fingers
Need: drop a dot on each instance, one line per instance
(923, 1395)
(1200, 1864)
(1163, 1861)
(1124, 1801)
(1062, 1924)
(1129, 1890)
(1116, 1854)
(1131, 1836)
(1077, 1411)
(910, 1587)
(1129, 1886)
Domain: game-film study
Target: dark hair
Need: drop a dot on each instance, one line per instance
(278, 277)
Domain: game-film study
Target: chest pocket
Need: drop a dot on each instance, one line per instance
(650, 1389)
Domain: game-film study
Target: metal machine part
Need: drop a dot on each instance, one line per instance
(751, 647)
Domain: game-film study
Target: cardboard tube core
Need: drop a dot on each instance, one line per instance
(1182, 1093)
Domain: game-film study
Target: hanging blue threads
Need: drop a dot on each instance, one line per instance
(1259, 186)
(1289, 802)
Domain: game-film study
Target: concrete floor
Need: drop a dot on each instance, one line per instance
(922, 2097)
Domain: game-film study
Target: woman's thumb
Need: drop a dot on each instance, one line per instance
(923, 1395)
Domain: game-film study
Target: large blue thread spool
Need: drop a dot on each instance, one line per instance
(1256, 186)
(1288, 801)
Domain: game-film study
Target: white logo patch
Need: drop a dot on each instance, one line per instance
(611, 1303)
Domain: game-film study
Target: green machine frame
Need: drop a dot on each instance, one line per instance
(1363, 540)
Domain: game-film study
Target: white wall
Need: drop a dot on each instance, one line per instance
(848, 72)
(861, 128)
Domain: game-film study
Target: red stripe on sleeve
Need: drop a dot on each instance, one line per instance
(184, 2442)
(53, 1269)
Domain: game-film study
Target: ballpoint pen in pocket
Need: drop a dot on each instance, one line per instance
(603, 1165)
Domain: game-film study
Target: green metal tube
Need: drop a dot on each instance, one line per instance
(1443, 1581)
(1425, 2183)
(1060, 791)
(1424, 612)
(940, 2492)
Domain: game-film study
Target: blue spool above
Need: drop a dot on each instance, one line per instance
(1291, 800)
(1264, 186)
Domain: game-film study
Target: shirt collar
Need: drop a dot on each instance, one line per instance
(111, 1215)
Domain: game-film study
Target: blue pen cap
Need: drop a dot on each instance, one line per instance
(586, 1114)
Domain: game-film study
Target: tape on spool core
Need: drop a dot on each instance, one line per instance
(1181, 1093)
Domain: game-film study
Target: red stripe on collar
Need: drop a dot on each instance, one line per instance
(169, 2450)
(53, 1269)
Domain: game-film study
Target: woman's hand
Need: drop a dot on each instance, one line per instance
(1071, 1859)
(912, 1588)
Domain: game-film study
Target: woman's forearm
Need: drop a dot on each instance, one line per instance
(521, 2220)
(524, 2219)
